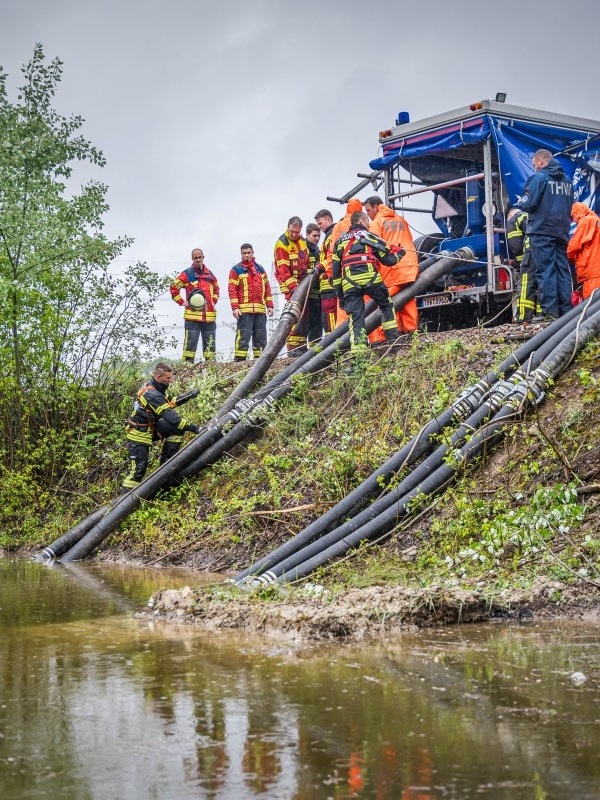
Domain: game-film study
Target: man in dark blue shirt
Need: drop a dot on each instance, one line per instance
(548, 197)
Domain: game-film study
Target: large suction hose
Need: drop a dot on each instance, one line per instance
(526, 392)
(468, 401)
(95, 532)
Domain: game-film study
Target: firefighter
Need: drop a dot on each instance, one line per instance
(291, 266)
(154, 419)
(251, 300)
(340, 227)
(200, 316)
(520, 252)
(324, 220)
(548, 197)
(584, 248)
(394, 229)
(356, 261)
(315, 326)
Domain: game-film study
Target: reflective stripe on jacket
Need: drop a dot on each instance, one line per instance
(191, 279)
(249, 288)
(154, 401)
(517, 240)
(356, 260)
(291, 263)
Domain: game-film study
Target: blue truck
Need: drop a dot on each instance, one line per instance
(474, 162)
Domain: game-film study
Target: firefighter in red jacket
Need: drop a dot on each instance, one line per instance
(199, 318)
(291, 266)
(315, 324)
(154, 419)
(324, 220)
(251, 300)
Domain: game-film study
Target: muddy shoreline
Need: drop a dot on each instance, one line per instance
(316, 614)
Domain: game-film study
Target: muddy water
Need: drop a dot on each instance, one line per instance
(97, 704)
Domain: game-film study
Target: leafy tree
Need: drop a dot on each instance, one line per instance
(69, 328)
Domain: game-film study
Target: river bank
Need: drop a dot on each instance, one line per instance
(316, 613)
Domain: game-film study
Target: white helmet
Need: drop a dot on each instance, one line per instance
(196, 299)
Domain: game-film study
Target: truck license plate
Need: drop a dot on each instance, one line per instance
(437, 300)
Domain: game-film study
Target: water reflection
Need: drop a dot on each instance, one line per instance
(96, 704)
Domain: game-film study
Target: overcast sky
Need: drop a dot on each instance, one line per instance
(220, 120)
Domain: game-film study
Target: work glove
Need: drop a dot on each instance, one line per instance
(183, 398)
(340, 299)
(195, 429)
(399, 251)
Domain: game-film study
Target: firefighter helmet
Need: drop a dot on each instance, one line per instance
(196, 299)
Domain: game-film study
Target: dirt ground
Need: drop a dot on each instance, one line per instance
(315, 614)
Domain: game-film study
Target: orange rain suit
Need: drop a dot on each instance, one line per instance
(584, 248)
(394, 229)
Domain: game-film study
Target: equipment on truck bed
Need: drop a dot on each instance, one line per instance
(475, 161)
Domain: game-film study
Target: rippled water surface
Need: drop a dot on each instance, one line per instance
(97, 704)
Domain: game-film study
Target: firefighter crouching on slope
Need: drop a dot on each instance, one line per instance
(355, 265)
(154, 418)
(291, 265)
(251, 300)
(394, 229)
(199, 318)
(584, 248)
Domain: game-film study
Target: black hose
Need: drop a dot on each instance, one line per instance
(290, 315)
(320, 357)
(193, 452)
(529, 390)
(468, 401)
(74, 534)
(274, 346)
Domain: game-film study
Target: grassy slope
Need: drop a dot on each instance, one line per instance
(511, 517)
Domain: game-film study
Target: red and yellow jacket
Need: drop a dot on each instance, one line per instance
(584, 246)
(189, 280)
(325, 284)
(291, 263)
(394, 230)
(249, 288)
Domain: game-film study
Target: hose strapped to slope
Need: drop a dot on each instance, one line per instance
(524, 392)
(192, 457)
(467, 402)
(289, 317)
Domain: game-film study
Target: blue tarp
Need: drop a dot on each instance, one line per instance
(514, 140)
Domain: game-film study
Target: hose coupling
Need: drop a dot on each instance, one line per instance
(292, 307)
(470, 399)
(499, 393)
(257, 581)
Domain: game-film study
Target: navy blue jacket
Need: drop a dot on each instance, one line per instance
(548, 197)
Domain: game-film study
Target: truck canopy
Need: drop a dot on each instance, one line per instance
(448, 146)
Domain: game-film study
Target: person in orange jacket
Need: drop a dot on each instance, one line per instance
(197, 321)
(339, 229)
(583, 248)
(394, 229)
(291, 265)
